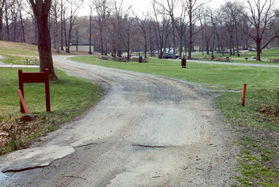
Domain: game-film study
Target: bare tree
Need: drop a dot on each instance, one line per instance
(232, 14)
(192, 8)
(55, 17)
(171, 5)
(162, 23)
(41, 9)
(103, 11)
(180, 24)
(2, 4)
(20, 6)
(74, 6)
(260, 18)
(62, 13)
(90, 28)
(143, 24)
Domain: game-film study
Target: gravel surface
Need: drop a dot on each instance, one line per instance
(146, 131)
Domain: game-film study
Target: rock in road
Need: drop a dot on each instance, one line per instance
(146, 131)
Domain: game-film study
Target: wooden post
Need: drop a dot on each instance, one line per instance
(41, 77)
(244, 94)
(47, 90)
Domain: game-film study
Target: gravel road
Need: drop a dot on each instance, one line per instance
(146, 131)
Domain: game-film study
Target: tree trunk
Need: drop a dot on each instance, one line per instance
(102, 41)
(145, 46)
(190, 36)
(22, 27)
(44, 46)
(7, 22)
(1, 23)
(90, 33)
(259, 50)
(174, 43)
(61, 27)
(41, 11)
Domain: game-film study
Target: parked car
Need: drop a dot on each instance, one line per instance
(252, 49)
(169, 55)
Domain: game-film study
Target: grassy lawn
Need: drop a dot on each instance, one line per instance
(16, 53)
(70, 96)
(266, 56)
(257, 124)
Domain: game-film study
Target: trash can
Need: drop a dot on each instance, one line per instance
(140, 59)
(183, 62)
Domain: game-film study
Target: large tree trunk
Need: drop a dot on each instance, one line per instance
(41, 10)
(102, 41)
(90, 33)
(61, 26)
(7, 22)
(44, 46)
(190, 36)
(145, 46)
(1, 23)
(259, 49)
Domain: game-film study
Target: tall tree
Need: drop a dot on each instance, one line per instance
(260, 18)
(90, 29)
(74, 6)
(162, 23)
(192, 8)
(2, 4)
(103, 12)
(41, 9)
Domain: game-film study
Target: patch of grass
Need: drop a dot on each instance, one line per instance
(17, 49)
(266, 54)
(222, 76)
(258, 159)
(259, 135)
(70, 96)
(16, 53)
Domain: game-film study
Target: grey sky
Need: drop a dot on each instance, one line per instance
(142, 6)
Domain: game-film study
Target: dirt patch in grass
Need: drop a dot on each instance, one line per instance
(17, 133)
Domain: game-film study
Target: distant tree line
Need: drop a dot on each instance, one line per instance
(180, 25)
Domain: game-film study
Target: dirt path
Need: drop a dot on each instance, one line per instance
(147, 131)
(1, 58)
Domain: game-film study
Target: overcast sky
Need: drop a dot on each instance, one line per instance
(144, 5)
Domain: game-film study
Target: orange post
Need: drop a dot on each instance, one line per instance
(244, 94)
(23, 104)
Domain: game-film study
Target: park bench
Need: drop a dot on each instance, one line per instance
(274, 60)
(31, 62)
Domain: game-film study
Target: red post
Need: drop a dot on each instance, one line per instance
(244, 94)
(20, 84)
(22, 102)
(47, 90)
